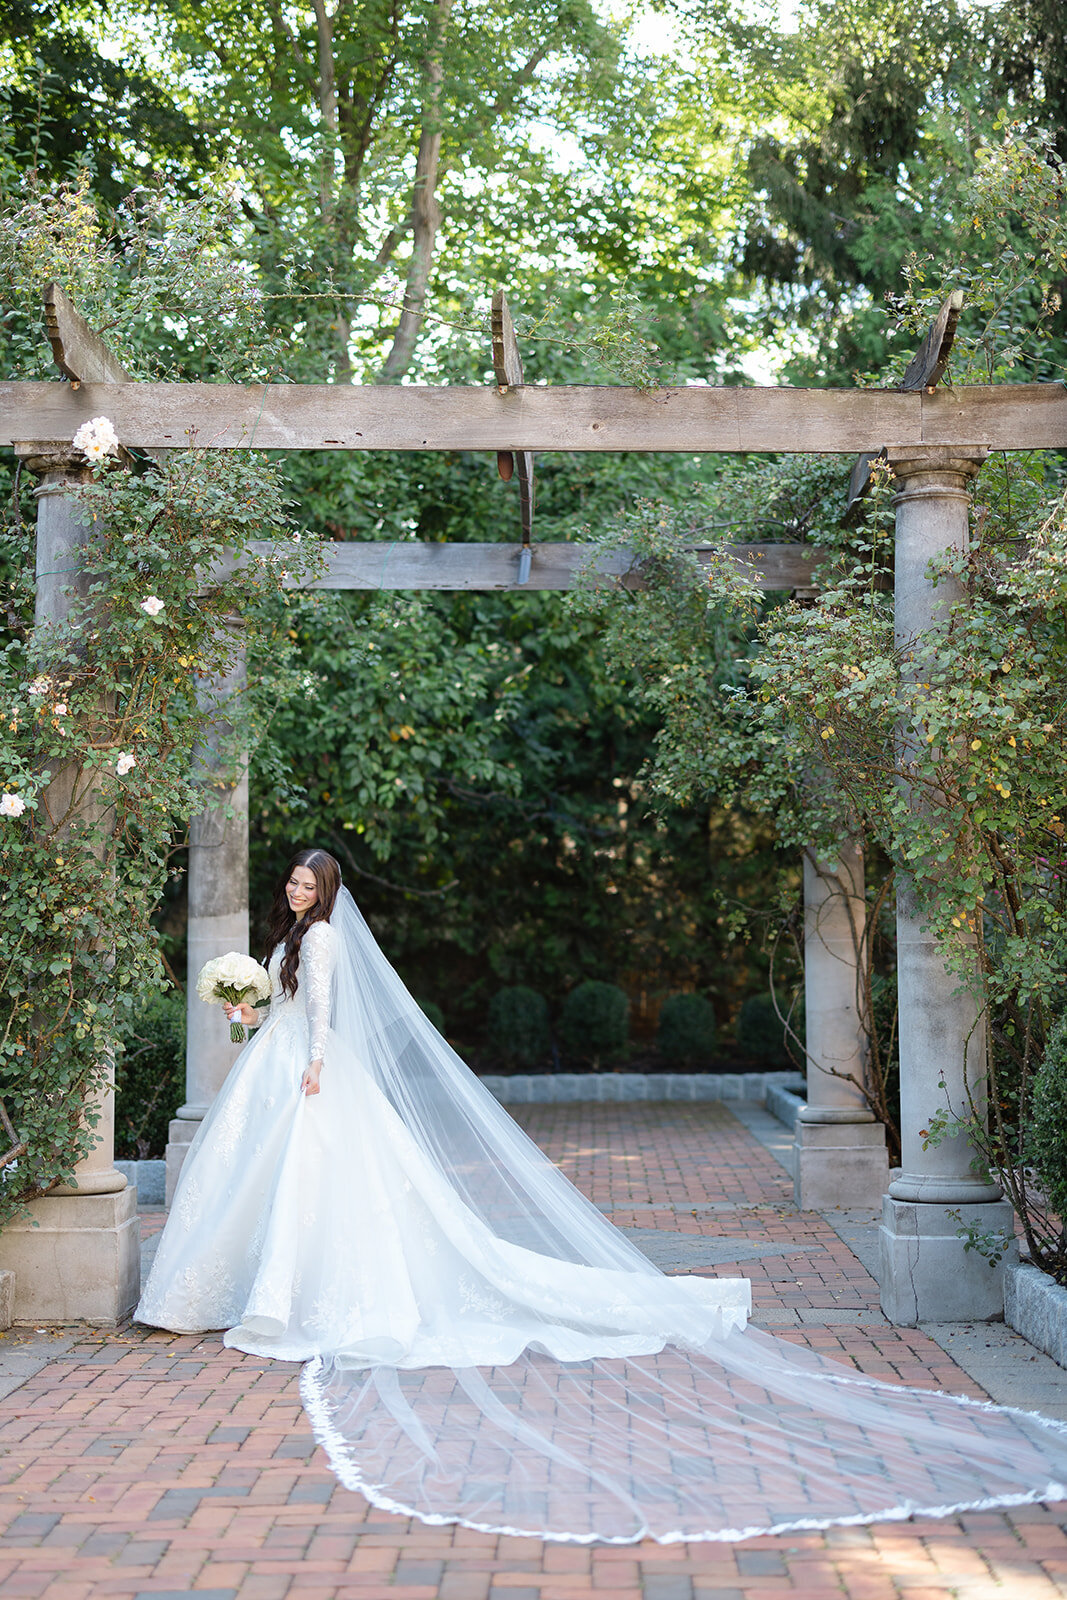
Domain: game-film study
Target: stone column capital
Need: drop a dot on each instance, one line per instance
(55, 461)
(945, 467)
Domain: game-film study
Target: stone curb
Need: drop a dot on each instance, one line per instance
(1035, 1305)
(784, 1103)
(560, 1087)
(149, 1178)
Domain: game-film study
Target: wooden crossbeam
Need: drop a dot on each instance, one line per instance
(417, 564)
(409, 417)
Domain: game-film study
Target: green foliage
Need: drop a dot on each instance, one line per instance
(688, 636)
(1008, 258)
(400, 713)
(149, 1075)
(975, 710)
(158, 278)
(433, 1012)
(68, 101)
(96, 751)
(869, 125)
(761, 1032)
(100, 712)
(812, 713)
(594, 1023)
(518, 1026)
(1046, 1143)
(534, 855)
(686, 1034)
(990, 1243)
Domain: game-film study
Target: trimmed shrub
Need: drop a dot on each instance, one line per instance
(1046, 1143)
(433, 1013)
(686, 1033)
(518, 1026)
(595, 1023)
(761, 1034)
(150, 1076)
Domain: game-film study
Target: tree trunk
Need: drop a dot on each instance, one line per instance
(328, 111)
(425, 212)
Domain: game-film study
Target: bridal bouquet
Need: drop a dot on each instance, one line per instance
(235, 978)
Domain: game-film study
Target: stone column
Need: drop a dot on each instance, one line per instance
(839, 1154)
(76, 1257)
(927, 1275)
(218, 918)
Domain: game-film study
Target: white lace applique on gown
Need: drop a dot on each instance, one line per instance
(306, 1225)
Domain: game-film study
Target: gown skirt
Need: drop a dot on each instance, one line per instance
(305, 1225)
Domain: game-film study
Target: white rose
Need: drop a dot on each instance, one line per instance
(39, 686)
(12, 805)
(60, 708)
(152, 604)
(233, 971)
(96, 439)
(125, 763)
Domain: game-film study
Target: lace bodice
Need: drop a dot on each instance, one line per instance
(313, 984)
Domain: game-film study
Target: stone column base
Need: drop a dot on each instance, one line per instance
(927, 1274)
(839, 1164)
(179, 1138)
(80, 1263)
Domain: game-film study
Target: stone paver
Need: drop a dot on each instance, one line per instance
(140, 1464)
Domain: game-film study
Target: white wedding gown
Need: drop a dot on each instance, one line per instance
(482, 1346)
(304, 1224)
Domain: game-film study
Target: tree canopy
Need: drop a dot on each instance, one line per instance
(687, 192)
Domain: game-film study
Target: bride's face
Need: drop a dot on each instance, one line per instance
(300, 891)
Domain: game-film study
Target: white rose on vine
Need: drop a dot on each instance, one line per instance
(125, 763)
(96, 439)
(12, 805)
(152, 604)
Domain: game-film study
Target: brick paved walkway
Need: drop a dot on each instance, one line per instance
(141, 1464)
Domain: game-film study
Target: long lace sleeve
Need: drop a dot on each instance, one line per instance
(317, 956)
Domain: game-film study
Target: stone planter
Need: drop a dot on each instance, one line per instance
(1036, 1306)
(551, 1087)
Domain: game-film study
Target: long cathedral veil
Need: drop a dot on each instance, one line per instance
(712, 1430)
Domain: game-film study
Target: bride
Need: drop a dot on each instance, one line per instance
(482, 1346)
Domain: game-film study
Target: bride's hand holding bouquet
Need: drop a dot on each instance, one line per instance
(236, 981)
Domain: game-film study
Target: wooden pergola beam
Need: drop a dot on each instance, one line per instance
(507, 367)
(420, 564)
(924, 371)
(409, 417)
(78, 351)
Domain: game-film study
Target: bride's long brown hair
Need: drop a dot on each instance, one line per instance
(283, 926)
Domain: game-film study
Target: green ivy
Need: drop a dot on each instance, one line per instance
(100, 723)
(100, 716)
